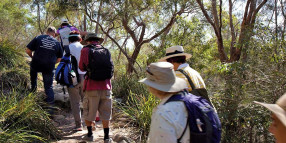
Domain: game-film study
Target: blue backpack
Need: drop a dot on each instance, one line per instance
(204, 123)
(66, 72)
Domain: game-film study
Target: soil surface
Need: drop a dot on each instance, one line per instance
(120, 130)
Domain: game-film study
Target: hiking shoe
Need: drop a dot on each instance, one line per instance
(107, 140)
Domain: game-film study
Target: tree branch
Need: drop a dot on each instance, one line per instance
(205, 13)
(112, 39)
(257, 10)
(169, 25)
(232, 48)
(128, 29)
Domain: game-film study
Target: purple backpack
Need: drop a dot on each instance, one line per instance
(204, 123)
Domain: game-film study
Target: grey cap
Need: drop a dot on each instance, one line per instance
(93, 37)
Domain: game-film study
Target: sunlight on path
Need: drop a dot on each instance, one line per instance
(63, 120)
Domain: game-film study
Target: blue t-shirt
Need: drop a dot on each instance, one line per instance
(46, 51)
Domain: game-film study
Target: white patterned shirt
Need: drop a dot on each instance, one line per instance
(168, 123)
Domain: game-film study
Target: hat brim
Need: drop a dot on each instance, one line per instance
(178, 85)
(97, 38)
(276, 109)
(164, 59)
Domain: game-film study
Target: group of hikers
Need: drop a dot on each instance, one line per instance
(185, 112)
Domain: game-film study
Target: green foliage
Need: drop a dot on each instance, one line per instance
(137, 103)
(139, 109)
(122, 85)
(14, 70)
(23, 120)
(233, 94)
(14, 18)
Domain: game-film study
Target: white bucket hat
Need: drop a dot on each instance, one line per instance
(161, 76)
(279, 109)
(175, 51)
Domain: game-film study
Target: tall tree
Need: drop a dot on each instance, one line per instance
(45, 14)
(239, 40)
(141, 20)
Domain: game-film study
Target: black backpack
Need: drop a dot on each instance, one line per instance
(100, 66)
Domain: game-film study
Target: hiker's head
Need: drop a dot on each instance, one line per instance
(91, 38)
(64, 22)
(51, 31)
(278, 126)
(74, 36)
(161, 79)
(177, 61)
(175, 54)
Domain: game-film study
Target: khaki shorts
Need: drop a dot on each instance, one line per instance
(100, 100)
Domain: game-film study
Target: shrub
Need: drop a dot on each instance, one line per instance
(14, 71)
(23, 120)
(137, 103)
(139, 109)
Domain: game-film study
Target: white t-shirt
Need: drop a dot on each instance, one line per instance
(75, 50)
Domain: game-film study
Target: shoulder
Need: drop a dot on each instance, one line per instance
(171, 109)
(191, 71)
(73, 28)
(85, 49)
(40, 36)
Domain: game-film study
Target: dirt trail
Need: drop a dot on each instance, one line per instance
(63, 120)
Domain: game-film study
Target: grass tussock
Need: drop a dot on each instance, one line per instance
(137, 102)
(14, 70)
(139, 109)
(23, 120)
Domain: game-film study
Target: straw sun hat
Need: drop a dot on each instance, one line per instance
(279, 108)
(161, 76)
(175, 51)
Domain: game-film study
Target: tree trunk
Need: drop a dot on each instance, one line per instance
(222, 56)
(98, 16)
(133, 59)
(39, 16)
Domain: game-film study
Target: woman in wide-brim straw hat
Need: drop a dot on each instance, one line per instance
(168, 120)
(278, 126)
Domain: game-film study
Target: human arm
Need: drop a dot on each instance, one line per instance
(83, 59)
(31, 47)
(58, 60)
(60, 52)
(29, 52)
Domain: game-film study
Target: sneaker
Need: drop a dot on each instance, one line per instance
(88, 138)
(107, 140)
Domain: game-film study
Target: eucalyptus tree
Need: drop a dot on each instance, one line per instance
(14, 17)
(240, 32)
(140, 21)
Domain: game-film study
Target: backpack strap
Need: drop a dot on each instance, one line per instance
(189, 79)
(194, 90)
(67, 49)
